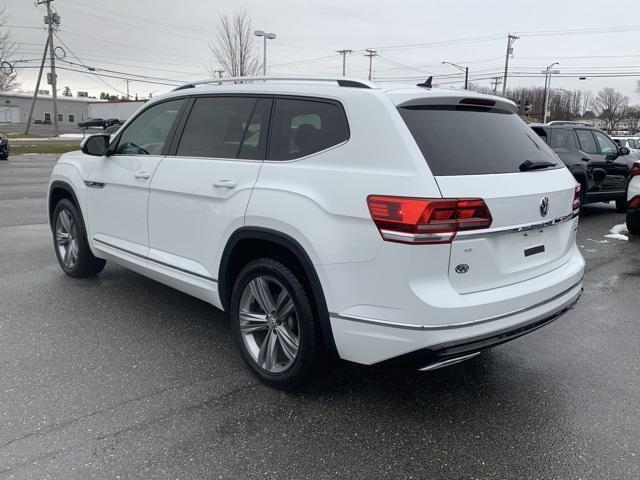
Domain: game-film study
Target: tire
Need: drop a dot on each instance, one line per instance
(69, 235)
(621, 205)
(295, 327)
(633, 222)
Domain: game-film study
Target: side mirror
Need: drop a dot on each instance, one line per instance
(624, 151)
(96, 145)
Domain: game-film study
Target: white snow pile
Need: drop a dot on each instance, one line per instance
(619, 232)
(72, 135)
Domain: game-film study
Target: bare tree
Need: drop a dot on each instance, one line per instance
(633, 118)
(7, 54)
(233, 48)
(611, 106)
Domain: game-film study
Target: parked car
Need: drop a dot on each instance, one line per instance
(602, 167)
(4, 147)
(92, 123)
(334, 217)
(112, 122)
(631, 143)
(633, 196)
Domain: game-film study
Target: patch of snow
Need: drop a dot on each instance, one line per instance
(590, 250)
(621, 228)
(618, 232)
(71, 135)
(617, 236)
(598, 241)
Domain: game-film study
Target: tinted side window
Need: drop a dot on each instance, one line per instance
(607, 147)
(215, 127)
(587, 143)
(147, 134)
(561, 138)
(302, 127)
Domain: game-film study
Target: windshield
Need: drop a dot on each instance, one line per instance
(465, 140)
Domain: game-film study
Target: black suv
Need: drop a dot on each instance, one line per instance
(602, 167)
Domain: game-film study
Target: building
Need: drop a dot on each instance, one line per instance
(120, 109)
(14, 108)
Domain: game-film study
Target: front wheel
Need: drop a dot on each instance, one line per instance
(273, 324)
(633, 222)
(621, 205)
(70, 241)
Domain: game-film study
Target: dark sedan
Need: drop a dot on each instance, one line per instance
(93, 123)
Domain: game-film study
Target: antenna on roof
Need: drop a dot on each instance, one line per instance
(427, 83)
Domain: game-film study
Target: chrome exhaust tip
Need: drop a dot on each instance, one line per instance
(449, 361)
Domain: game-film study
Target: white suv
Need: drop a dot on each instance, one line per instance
(331, 216)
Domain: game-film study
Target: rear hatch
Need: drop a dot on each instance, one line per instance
(486, 151)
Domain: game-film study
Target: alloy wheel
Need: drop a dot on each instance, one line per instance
(67, 239)
(269, 324)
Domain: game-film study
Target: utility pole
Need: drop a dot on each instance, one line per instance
(52, 20)
(511, 39)
(128, 96)
(371, 54)
(547, 86)
(35, 93)
(219, 72)
(344, 60)
(495, 83)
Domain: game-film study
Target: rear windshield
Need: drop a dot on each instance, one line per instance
(468, 140)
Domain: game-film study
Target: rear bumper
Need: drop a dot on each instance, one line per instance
(447, 353)
(371, 343)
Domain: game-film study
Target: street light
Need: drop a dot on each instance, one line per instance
(464, 69)
(547, 85)
(266, 36)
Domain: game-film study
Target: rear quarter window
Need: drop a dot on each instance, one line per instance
(303, 127)
(469, 140)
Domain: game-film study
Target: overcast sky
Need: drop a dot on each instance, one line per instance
(173, 42)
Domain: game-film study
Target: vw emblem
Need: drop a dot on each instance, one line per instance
(462, 268)
(544, 206)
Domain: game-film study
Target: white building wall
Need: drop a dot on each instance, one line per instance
(119, 110)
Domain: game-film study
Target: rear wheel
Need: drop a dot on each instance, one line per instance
(633, 222)
(621, 205)
(273, 324)
(70, 241)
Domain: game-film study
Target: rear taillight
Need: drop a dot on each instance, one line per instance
(577, 197)
(635, 202)
(635, 169)
(425, 220)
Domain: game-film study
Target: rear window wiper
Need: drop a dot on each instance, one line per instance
(529, 165)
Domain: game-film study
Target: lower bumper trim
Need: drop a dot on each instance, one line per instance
(451, 352)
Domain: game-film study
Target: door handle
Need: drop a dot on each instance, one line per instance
(225, 184)
(142, 175)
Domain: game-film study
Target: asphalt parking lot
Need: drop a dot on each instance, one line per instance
(122, 377)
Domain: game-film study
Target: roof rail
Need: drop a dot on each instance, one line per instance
(341, 81)
(569, 122)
